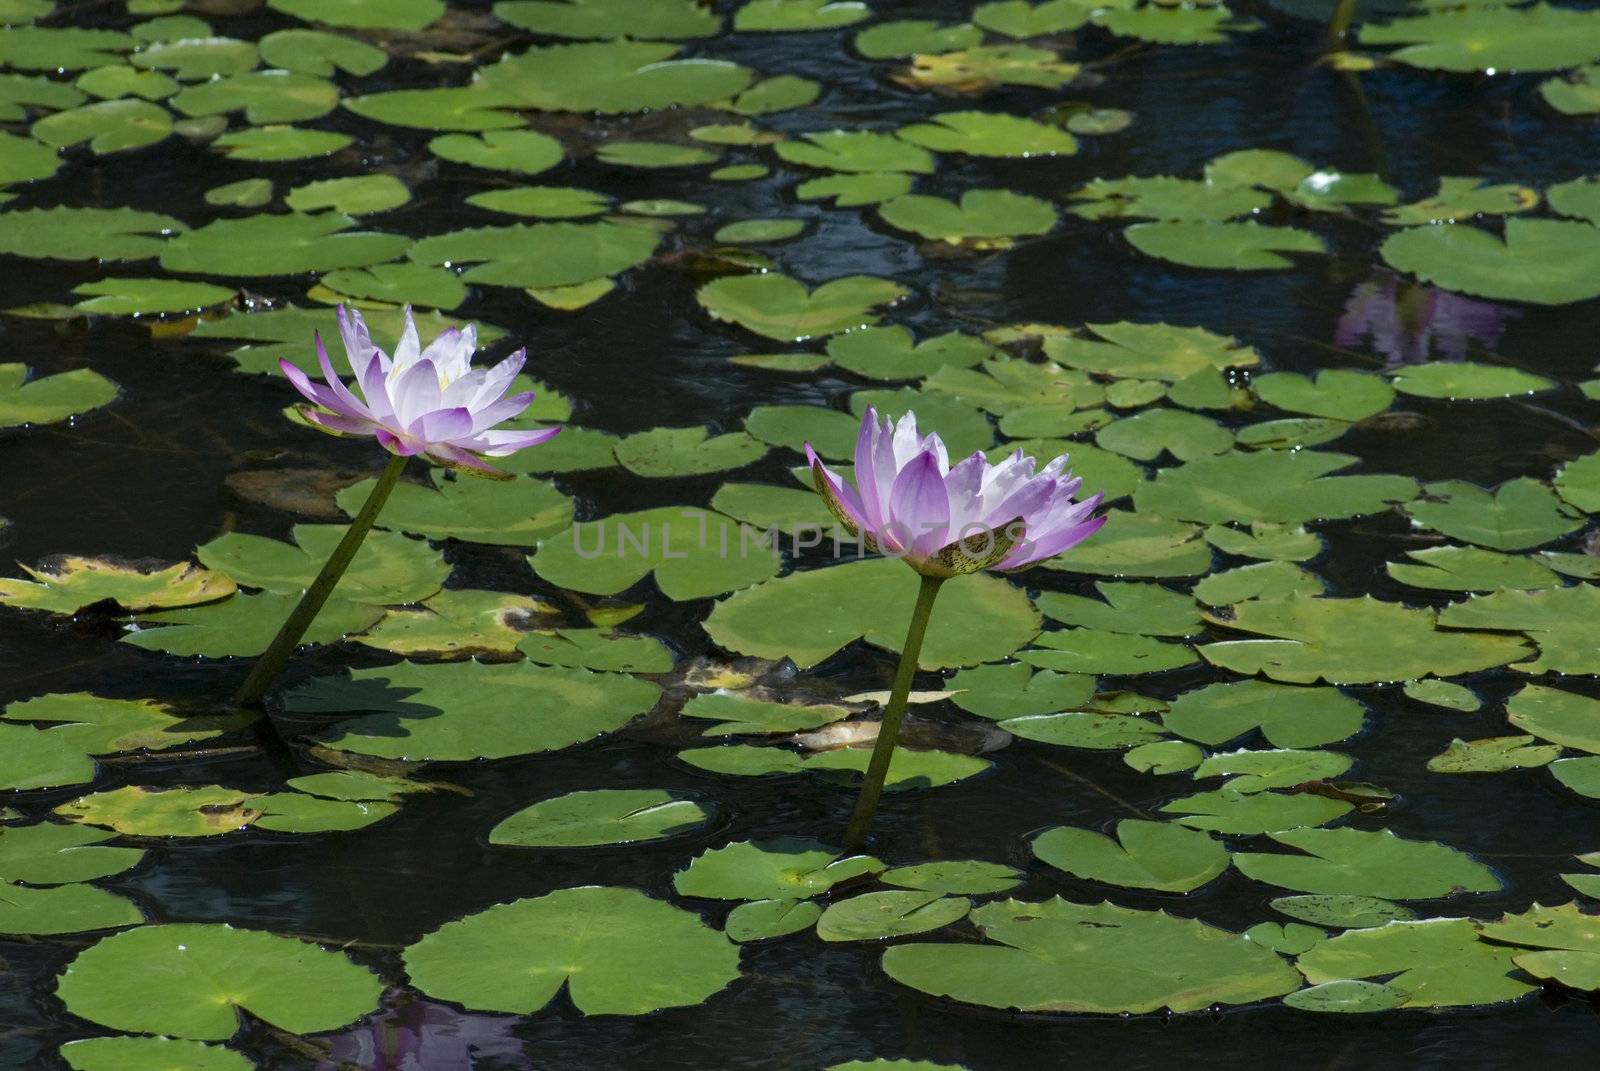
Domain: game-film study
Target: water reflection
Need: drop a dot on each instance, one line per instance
(1409, 323)
(424, 1036)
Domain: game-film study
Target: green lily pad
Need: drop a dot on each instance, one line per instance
(1138, 544)
(1015, 689)
(1235, 813)
(1465, 381)
(1164, 757)
(1088, 650)
(1093, 730)
(1436, 963)
(108, 126)
(245, 625)
(1147, 435)
(1256, 771)
(1348, 996)
(955, 877)
(64, 909)
(675, 20)
(616, 951)
(782, 93)
(601, 816)
(1464, 198)
(1160, 24)
(526, 152)
(1491, 38)
(537, 255)
(986, 216)
(908, 768)
(780, 307)
(808, 616)
(759, 231)
(1334, 393)
(654, 154)
(403, 283)
(85, 233)
(790, 15)
(1263, 580)
(1149, 351)
(65, 48)
(1063, 957)
(364, 14)
(1356, 862)
(141, 297)
(1471, 569)
(546, 202)
(1137, 609)
(209, 973)
(198, 59)
(36, 759)
(1019, 19)
(1494, 754)
(50, 399)
(608, 77)
(289, 333)
(592, 648)
(738, 714)
(275, 144)
(1541, 261)
(989, 134)
(459, 711)
(1145, 855)
(456, 623)
(907, 37)
(1560, 620)
(24, 159)
(150, 1054)
(320, 53)
(781, 868)
(50, 854)
(761, 920)
(1558, 716)
(68, 584)
(1209, 244)
(847, 191)
(686, 452)
(1576, 94)
(358, 195)
(518, 513)
(791, 510)
(1443, 694)
(263, 96)
(1342, 912)
(1352, 641)
(1522, 513)
(102, 726)
(856, 151)
(874, 916)
(279, 245)
(389, 568)
(1163, 197)
(1273, 542)
(692, 553)
(1288, 716)
(1285, 487)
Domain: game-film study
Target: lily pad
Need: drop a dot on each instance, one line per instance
(1063, 957)
(68, 584)
(50, 399)
(781, 868)
(790, 15)
(1471, 569)
(1560, 620)
(692, 451)
(874, 916)
(908, 769)
(601, 816)
(364, 14)
(674, 20)
(1466, 381)
(1252, 813)
(1464, 198)
(1356, 862)
(174, 811)
(1490, 38)
(986, 216)
(389, 568)
(760, 920)
(808, 616)
(516, 513)
(990, 134)
(780, 307)
(108, 126)
(209, 973)
(957, 877)
(457, 623)
(1494, 754)
(320, 53)
(1138, 544)
(128, 1053)
(1284, 487)
(102, 726)
(1015, 689)
(1334, 393)
(278, 245)
(1541, 261)
(1237, 246)
(63, 233)
(1145, 855)
(539, 255)
(1288, 716)
(1434, 962)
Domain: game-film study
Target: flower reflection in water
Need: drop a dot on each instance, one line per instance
(1409, 323)
(423, 1036)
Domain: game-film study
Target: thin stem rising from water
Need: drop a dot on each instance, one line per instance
(305, 612)
(878, 769)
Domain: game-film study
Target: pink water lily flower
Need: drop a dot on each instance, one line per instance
(421, 401)
(910, 502)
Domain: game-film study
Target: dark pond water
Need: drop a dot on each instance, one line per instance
(146, 478)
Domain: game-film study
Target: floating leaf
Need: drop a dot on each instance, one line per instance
(1562, 621)
(278, 245)
(536, 255)
(1148, 351)
(85, 233)
(1464, 198)
(759, 231)
(65, 48)
(1352, 641)
(874, 916)
(358, 195)
(64, 909)
(1577, 94)
(780, 307)
(1347, 996)
(608, 76)
(1247, 814)
(1463, 381)
(1288, 716)
(1065, 957)
(1342, 912)
(989, 134)
(279, 143)
(601, 816)
(36, 759)
(808, 616)
(1208, 244)
(197, 59)
(673, 20)
(1434, 962)
(1151, 855)
(364, 14)
(686, 452)
(888, 353)
(908, 769)
(760, 920)
(527, 152)
(1147, 435)
(456, 623)
(1166, 198)
(139, 297)
(547, 202)
(1353, 861)
(150, 1054)
(173, 811)
(737, 714)
(389, 568)
(1558, 716)
(50, 854)
(209, 973)
(1199, 25)
(781, 868)
(975, 70)
(954, 877)
(1093, 730)
(1273, 542)
(1138, 609)
(68, 584)
(516, 513)
(984, 215)
(1257, 771)
(1443, 694)
(1494, 754)
(1138, 544)
(786, 15)
(1522, 513)
(102, 726)
(1470, 569)
(1087, 650)
(1491, 38)
(591, 648)
(1285, 487)
(263, 96)
(692, 553)
(1014, 690)
(108, 126)
(1334, 393)
(852, 190)
(1263, 580)
(905, 37)
(1542, 261)
(319, 53)
(459, 711)
(49, 399)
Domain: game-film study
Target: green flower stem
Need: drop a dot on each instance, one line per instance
(1339, 24)
(878, 769)
(272, 660)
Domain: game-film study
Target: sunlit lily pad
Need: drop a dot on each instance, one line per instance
(279, 245)
(686, 452)
(957, 877)
(1288, 716)
(990, 134)
(1562, 621)
(389, 568)
(209, 973)
(672, 20)
(289, 333)
(1494, 754)
(1285, 487)
(1146, 435)
(1470, 569)
(37, 759)
(1576, 94)
(320, 53)
(138, 297)
(788, 15)
(976, 70)
(1065, 957)
(874, 916)
(1491, 38)
(1434, 962)
(1249, 771)
(986, 216)
(457, 623)
(85, 233)
(691, 552)
(1465, 381)
(1235, 813)
(539, 254)
(172, 811)
(780, 307)
(108, 126)
(1542, 261)
(1138, 544)
(1089, 650)
(601, 816)
(129, 1053)
(808, 616)
(65, 48)
(1352, 641)
(1173, 25)
(1148, 351)
(357, 195)
(1357, 862)
(459, 711)
(50, 399)
(102, 726)
(1464, 198)
(68, 584)
(517, 513)
(1342, 912)
(278, 143)
(908, 769)
(26, 911)
(735, 714)
(607, 76)
(760, 920)
(1272, 542)
(364, 14)
(856, 189)
(526, 152)
(781, 868)
(245, 625)
(905, 37)
(1335, 393)
(47, 853)
(1145, 855)
(1263, 580)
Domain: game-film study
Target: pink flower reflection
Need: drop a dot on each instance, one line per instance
(1409, 323)
(423, 1036)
